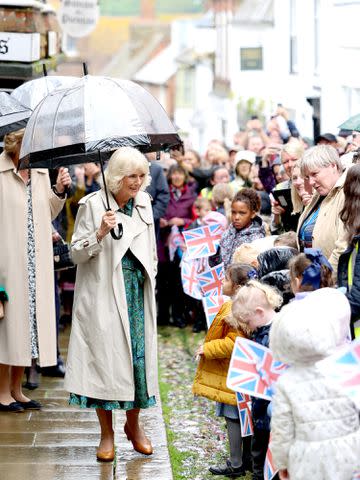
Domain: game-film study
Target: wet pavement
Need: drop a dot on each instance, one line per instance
(59, 442)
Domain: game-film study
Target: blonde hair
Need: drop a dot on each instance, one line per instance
(246, 253)
(294, 149)
(253, 295)
(123, 162)
(287, 239)
(12, 141)
(295, 197)
(220, 192)
(320, 156)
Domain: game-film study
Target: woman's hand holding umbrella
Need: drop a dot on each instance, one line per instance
(108, 222)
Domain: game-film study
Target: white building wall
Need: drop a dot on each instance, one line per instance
(334, 78)
(275, 84)
(194, 122)
(341, 95)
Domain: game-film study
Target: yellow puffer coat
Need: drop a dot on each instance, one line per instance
(210, 378)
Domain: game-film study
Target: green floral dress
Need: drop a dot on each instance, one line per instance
(134, 287)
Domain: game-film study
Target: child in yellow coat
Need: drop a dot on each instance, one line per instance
(211, 374)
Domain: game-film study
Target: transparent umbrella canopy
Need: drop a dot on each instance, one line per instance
(93, 118)
(32, 92)
(89, 120)
(13, 115)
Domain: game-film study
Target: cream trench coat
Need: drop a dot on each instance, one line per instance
(99, 362)
(14, 327)
(329, 233)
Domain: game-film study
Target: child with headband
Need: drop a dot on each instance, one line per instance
(309, 271)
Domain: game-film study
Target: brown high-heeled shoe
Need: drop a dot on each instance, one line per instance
(142, 447)
(105, 456)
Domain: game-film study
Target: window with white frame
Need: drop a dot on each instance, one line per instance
(351, 100)
(251, 58)
(293, 38)
(185, 86)
(316, 35)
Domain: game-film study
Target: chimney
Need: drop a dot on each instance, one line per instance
(147, 9)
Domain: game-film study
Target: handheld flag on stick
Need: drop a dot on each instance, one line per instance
(269, 468)
(252, 369)
(211, 280)
(175, 241)
(189, 278)
(212, 305)
(344, 368)
(243, 403)
(203, 241)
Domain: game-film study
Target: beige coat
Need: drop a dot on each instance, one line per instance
(329, 232)
(14, 327)
(99, 363)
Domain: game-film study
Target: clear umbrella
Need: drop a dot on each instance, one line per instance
(89, 120)
(96, 114)
(32, 92)
(13, 115)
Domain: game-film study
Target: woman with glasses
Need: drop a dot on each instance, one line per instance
(320, 225)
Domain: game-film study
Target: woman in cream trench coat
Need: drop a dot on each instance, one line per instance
(15, 349)
(322, 167)
(100, 360)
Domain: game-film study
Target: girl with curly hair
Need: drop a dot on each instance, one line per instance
(245, 226)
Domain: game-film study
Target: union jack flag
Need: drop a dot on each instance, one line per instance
(203, 241)
(269, 468)
(189, 279)
(211, 280)
(243, 403)
(212, 305)
(175, 240)
(252, 369)
(344, 368)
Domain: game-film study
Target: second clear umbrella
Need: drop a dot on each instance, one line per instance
(32, 92)
(13, 115)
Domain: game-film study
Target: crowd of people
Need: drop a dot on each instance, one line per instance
(291, 229)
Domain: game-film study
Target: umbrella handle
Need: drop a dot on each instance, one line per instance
(117, 236)
(120, 230)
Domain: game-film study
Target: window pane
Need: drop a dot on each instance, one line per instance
(251, 58)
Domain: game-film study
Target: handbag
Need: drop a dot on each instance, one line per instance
(62, 256)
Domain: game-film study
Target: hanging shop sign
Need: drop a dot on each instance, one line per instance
(78, 18)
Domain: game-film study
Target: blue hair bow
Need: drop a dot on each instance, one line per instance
(312, 273)
(252, 274)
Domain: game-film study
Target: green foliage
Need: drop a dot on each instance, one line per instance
(120, 7)
(249, 107)
(132, 7)
(179, 6)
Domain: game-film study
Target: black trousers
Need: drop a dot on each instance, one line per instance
(169, 292)
(259, 446)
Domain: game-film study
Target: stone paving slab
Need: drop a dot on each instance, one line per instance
(32, 471)
(59, 442)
